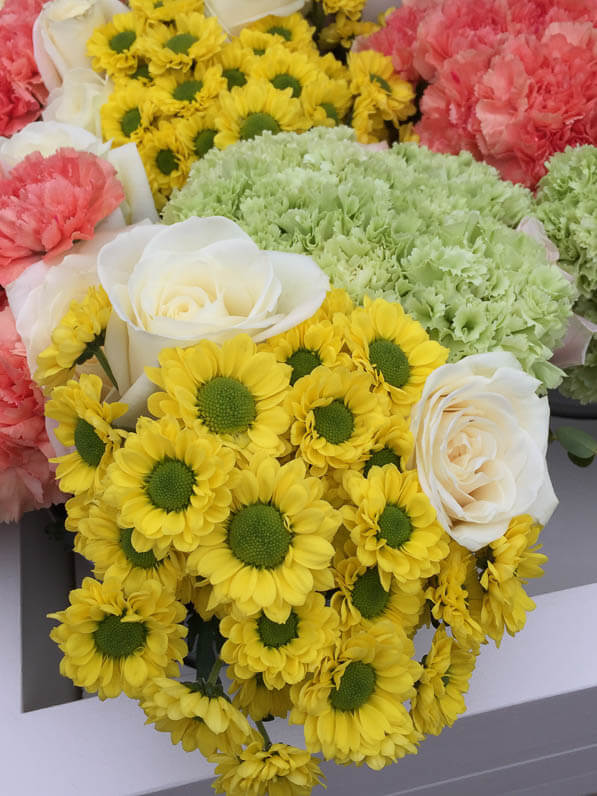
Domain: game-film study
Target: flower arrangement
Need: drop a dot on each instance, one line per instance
(438, 236)
(513, 82)
(279, 499)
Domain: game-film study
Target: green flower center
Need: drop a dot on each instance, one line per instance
(141, 72)
(258, 536)
(330, 111)
(210, 690)
(203, 142)
(181, 43)
(170, 484)
(225, 405)
(380, 81)
(117, 639)
(122, 41)
(187, 91)
(287, 81)
(166, 161)
(284, 32)
(88, 444)
(141, 560)
(368, 595)
(334, 422)
(234, 77)
(356, 686)
(130, 121)
(394, 526)
(257, 123)
(445, 679)
(258, 51)
(380, 458)
(302, 362)
(390, 360)
(274, 634)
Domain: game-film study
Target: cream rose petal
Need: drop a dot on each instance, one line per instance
(233, 15)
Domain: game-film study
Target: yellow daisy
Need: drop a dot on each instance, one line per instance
(326, 102)
(406, 133)
(115, 641)
(273, 770)
(286, 70)
(198, 133)
(392, 443)
(233, 391)
(166, 159)
(281, 652)
(196, 714)
(343, 31)
(164, 10)
(334, 414)
(111, 550)
(129, 112)
(169, 485)
(368, 123)
(258, 701)
(336, 306)
(190, 39)
(395, 350)
(114, 47)
(294, 32)
(439, 700)
(275, 547)
(333, 68)
(257, 41)
(361, 598)
(352, 8)
(373, 77)
(188, 93)
(393, 525)
(237, 63)
(85, 424)
(351, 707)
(254, 108)
(77, 338)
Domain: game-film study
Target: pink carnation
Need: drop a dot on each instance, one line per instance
(26, 477)
(48, 203)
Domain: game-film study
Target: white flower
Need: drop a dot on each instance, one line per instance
(60, 35)
(78, 100)
(203, 278)
(480, 442)
(233, 15)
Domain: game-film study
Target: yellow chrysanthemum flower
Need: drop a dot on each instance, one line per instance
(506, 564)
(395, 350)
(336, 304)
(278, 770)
(406, 133)
(77, 508)
(169, 485)
(326, 102)
(258, 701)
(254, 108)
(351, 707)
(237, 63)
(352, 8)
(368, 123)
(293, 32)
(129, 112)
(198, 133)
(281, 652)
(334, 414)
(361, 598)
(333, 68)
(110, 548)
(114, 47)
(391, 443)
(393, 525)
(233, 391)
(439, 700)
(164, 10)
(85, 424)
(188, 93)
(257, 41)
(166, 159)
(190, 39)
(116, 641)
(286, 70)
(454, 595)
(373, 77)
(343, 31)
(196, 714)
(275, 547)
(77, 338)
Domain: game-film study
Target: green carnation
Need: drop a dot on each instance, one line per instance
(434, 232)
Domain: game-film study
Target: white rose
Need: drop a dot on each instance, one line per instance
(480, 441)
(60, 35)
(47, 137)
(233, 15)
(202, 278)
(78, 100)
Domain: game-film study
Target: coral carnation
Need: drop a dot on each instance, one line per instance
(26, 477)
(48, 203)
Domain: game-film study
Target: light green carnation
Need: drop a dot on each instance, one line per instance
(432, 231)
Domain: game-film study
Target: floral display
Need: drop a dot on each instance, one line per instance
(512, 82)
(438, 236)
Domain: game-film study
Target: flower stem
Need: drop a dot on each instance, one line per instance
(215, 671)
(101, 358)
(266, 739)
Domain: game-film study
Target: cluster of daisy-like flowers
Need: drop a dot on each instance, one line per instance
(265, 509)
(180, 87)
(512, 81)
(22, 91)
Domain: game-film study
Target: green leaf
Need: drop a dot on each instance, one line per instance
(580, 462)
(576, 442)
